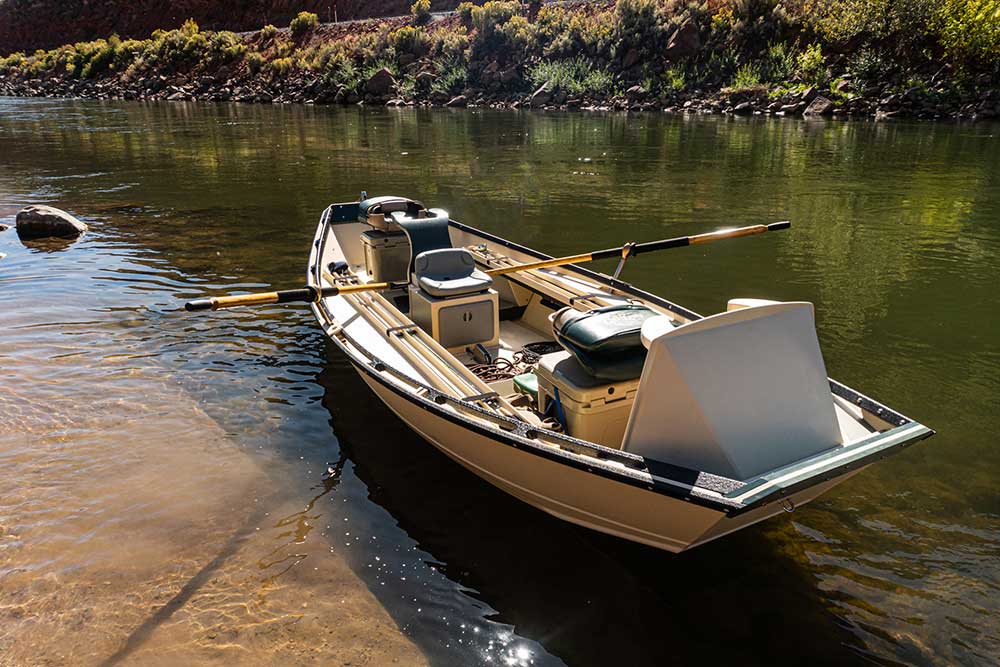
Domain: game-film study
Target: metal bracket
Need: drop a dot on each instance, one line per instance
(590, 296)
(626, 253)
(401, 328)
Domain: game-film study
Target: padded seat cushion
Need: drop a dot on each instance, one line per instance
(449, 272)
(606, 341)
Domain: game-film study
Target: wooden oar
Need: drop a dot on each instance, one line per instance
(305, 294)
(632, 249)
(310, 294)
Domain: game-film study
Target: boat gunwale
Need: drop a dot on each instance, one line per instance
(656, 476)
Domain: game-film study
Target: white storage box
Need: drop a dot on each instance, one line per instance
(387, 255)
(457, 321)
(592, 410)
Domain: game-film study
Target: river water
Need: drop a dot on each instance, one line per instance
(179, 489)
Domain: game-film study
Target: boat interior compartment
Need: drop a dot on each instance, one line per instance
(735, 394)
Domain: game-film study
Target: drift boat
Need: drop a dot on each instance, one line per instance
(578, 393)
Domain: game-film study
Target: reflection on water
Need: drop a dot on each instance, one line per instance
(202, 489)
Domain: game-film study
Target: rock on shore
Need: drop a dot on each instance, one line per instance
(40, 221)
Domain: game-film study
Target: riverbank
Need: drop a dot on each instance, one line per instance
(933, 61)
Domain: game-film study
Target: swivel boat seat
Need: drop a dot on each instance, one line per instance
(387, 251)
(450, 298)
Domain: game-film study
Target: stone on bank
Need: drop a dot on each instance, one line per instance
(39, 221)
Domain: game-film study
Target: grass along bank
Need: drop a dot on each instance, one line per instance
(921, 58)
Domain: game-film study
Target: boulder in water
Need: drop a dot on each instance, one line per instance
(40, 221)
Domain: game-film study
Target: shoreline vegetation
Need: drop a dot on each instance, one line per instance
(843, 58)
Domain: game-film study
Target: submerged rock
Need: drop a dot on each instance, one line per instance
(40, 221)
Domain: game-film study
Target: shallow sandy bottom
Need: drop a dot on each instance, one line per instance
(134, 531)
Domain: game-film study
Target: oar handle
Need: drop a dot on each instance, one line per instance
(304, 295)
(259, 299)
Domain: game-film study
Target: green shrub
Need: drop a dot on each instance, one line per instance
(421, 10)
(489, 17)
(12, 63)
(452, 78)
(870, 66)
(572, 77)
(128, 51)
(747, 76)
(101, 57)
(810, 65)
(302, 24)
(280, 66)
(518, 38)
(904, 22)
(970, 30)
(449, 44)
(412, 40)
(223, 47)
(563, 33)
(339, 70)
(646, 25)
(268, 32)
(723, 21)
(255, 62)
(464, 11)
(779, 64)
(501, 31)
(674, 79)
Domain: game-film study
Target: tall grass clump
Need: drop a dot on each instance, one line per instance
(452, 78)
(572, 77)
(747, 76)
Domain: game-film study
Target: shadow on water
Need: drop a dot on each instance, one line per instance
(52, 244)
(587, 598)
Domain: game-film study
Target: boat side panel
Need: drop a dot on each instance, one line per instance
(569, 493)
(582, 498)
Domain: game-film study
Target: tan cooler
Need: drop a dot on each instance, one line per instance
(387, 255)
(592, 410)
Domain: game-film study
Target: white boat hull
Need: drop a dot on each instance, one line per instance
(578, 496)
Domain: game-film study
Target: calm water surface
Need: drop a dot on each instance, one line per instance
(223, 489)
